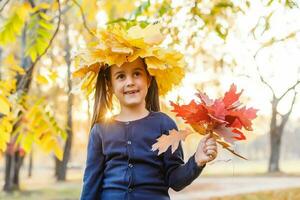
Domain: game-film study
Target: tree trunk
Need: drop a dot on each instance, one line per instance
(18, 163)
(62, 165)
(274, 149)
(276, 132)
(275, 139)
(9, 163)
(13, 163)
(30, 166)
(13, 160)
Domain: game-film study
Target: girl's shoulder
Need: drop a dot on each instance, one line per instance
(160, 115)
(155, 117)
(165, 119)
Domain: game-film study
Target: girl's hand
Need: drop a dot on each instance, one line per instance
(206, 150)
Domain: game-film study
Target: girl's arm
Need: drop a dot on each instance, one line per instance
(178, 174)
(94, 167)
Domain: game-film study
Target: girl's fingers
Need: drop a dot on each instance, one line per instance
(206, 137)
(210, 141)
(212, 153)
(212, 147)
(208, 150)
(210, 144)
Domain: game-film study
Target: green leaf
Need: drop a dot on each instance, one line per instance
(165, 8)
(291, 4)
(143, 24)
(116, 21)
(221, 31)
(14, 24)
(12, 28)
(39, 31)
(142, 8)
(45, 25)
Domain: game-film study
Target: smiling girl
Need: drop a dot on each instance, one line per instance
(120, 163)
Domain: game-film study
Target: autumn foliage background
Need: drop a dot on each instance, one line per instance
(45, 117)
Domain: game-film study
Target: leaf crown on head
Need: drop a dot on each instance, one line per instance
(116, 45)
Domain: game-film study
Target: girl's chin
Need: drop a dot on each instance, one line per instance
(133, 101)
(129, 103)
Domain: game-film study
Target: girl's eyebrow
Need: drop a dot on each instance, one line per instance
(138, 68)
(118, 72)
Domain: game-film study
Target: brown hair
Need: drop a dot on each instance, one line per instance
(103, 95)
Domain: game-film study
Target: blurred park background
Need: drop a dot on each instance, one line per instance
(45, 117)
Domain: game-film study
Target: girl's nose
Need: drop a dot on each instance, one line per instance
(129, 82)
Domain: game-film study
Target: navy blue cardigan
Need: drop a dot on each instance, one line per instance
(121, 165)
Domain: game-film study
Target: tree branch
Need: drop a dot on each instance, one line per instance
(5, 3)
(51, 40)
(291, 88)
(268, 44)
(274, 41)
(264, 81)
(83, 18)
(63, 11)
(286, 116)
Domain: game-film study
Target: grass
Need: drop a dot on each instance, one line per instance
(249, 167)
(59, 192)
(286, 194)
(71, 192)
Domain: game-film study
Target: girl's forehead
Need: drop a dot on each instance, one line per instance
(129, 66)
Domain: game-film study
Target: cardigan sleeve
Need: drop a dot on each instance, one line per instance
(178, 174)
(93, 172)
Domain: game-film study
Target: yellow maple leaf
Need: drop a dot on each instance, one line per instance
(41, 79)
(150, 34)
(5, 105)
(116, 46)
(5, 130)
(17, 69)
(58, 151)
(53, 75)
(167, 78)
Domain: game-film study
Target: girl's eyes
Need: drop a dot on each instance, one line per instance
(121, 76)
(137, 73)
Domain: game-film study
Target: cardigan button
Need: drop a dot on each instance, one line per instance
(126, 123)
(128, 142)
(130, 165)
(130, 189)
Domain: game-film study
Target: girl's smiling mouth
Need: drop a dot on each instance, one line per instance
(131, 92)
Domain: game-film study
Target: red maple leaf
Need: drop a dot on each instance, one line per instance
(222, 116)
(217, 111)
(244, 116)
(231, 96)
(191, 113)
(204, 98)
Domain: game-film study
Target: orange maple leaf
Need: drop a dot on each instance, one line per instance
(172, 139)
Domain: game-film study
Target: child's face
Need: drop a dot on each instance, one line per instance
(130, 83)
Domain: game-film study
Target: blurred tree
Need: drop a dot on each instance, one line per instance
(34, 24)
(24, 120)
(62, 165)
(278, 120)
(199, 28)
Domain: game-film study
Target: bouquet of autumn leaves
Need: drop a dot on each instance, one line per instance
(223, 117)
